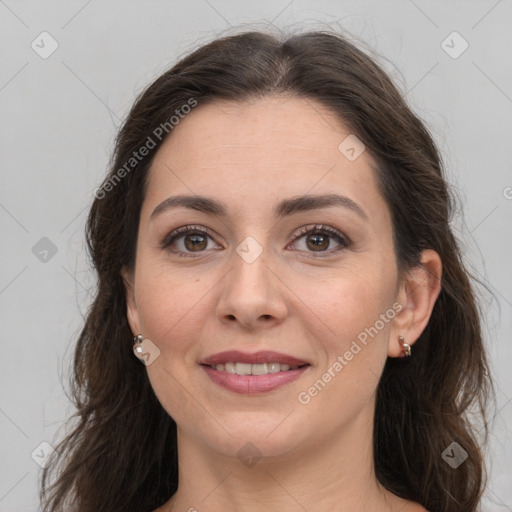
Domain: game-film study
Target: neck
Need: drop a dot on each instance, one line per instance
(334, 474)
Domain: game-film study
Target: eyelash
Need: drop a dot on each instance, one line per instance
(317, 229)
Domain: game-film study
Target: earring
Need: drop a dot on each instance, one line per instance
(406, 348)
(137, 342)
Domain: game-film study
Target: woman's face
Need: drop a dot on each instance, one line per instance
(263, 278)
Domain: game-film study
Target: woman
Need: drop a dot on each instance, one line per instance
(273, 244)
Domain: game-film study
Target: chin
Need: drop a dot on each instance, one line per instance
(257, 434)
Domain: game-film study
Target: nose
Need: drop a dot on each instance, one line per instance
(252, 295)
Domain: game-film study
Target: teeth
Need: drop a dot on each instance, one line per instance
(243, 369)
(259, 369)
(230, 367)
(254, 369)
(274, 367)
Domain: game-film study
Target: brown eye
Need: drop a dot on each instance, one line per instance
(317, 240)
(195, 242)
(187, 240)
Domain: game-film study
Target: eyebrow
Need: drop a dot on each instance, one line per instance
(284, 208)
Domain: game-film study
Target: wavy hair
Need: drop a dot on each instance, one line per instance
(121, 454)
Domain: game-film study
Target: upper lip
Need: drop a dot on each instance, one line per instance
(264, 356)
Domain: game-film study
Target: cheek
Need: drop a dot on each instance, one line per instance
(345, 382)
(357, 310)
(170, 306)
(350, 300)
(172, 310)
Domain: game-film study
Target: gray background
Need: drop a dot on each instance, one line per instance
(58, 118)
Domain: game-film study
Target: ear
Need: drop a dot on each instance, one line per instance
(417, 295)
(132, 314)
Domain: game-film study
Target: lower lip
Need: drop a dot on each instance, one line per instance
(252, 384)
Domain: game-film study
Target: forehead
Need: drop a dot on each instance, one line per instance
(258, 151)
(273, 130)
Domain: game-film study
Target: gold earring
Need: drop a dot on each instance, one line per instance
(406, 348)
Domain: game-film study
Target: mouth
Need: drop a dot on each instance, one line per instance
(255, 373)
(255, 368)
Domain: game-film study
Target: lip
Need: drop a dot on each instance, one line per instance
(264, 356)
(253, 384)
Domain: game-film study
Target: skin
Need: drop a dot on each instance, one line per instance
(250, 156)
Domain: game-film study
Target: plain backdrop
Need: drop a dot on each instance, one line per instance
(60, 111)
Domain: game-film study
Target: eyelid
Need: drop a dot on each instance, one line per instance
(183, 230)
(313, 228)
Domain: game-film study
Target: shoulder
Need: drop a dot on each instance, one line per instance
(413, 507)
(402, 505)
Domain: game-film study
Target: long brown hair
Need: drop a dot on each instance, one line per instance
(121, 453)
